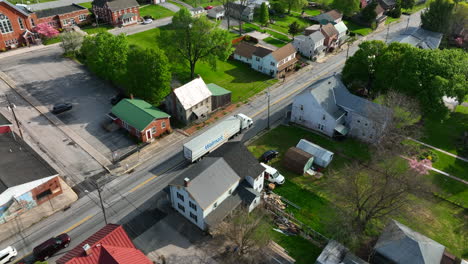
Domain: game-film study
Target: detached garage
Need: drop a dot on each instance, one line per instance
(322, 157)
(298, 161)
(219, 96)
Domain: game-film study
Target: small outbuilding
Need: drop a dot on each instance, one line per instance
(219, 96)
(322, 157)
(297, 160)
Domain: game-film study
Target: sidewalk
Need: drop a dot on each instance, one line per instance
(25, 50)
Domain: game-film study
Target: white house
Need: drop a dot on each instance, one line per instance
(258, 3)
(216, 12)
(310, 46)
(240, 11)
(197, 11)
(189, 102)
(274, 63)
(342, 32)
(209, 190)
(329, 108)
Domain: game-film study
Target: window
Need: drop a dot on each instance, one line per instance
(153, 130)
(359, 121)
(180, 196)
(5, 24)
(181, 207)
(11, 42)
(230, 191)
(194, 217)
(272, 63)
(82, 17)
(43, 194)
(125, 125)
(20, 22)
(215, 205)
(257, 58)
(65, 22)
(365, 124)
(193, 206)
(32, 22)
(163, 124)
(323, 118)
(302, 108)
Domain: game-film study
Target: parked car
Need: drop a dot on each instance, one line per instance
(60, 108)
(51, 246)
(272, 174)
(268, 156)
(147, 21)
(208, 7)
(8, 255)
(117, 98)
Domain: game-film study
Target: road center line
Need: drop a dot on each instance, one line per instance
(142, 184)
(77, 224)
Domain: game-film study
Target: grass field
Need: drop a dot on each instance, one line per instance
(87, 5)
(352, 27)
(94, 30)
(302, 250)
(434, 217)
(51, 40)
(232, 75)
(282, 24)
(156, 11)
(276, 42)
(416, 8)
(391, 19)
(203, 3)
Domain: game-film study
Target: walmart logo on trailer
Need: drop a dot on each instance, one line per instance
(214, 142)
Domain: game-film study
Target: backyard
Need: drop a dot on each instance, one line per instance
(441, 220)
(155, 11)
(203, 3)
(232, 75)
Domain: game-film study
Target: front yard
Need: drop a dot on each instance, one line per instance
(203, 3)
(235, 76)
(155, 11)
(357, 29)
(430, 215)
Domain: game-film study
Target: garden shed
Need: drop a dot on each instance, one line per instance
(322, 157)
(219, 96)
(298, 161)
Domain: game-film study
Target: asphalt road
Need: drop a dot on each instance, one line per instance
(127, 193)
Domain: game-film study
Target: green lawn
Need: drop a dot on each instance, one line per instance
(451, 165)
(282, 24)
(203, 3)
(87, 5)
(312, 12)
(156, 11)
(276, 42)
(278, 36)
(232, 75)
(432, 216)
(446, 133)
(51, 40)
(391, 19)
(299, 248)
(416, 8)
(352, 27)
(94, 30)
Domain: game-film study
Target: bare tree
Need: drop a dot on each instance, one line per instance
(240, 5)
(227, 4)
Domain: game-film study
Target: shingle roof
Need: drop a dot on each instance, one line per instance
(208, 180)
(110, 244)
(217, 90)
(59, 10)
(387, 4)
(192, 93)
(284, 52)
(334, 14)
(328, 17)
(400, 244)
(245, 49)
(379, 9)
(295, 160)
(317, 36)
(17, 8)
(419, 37)
(239, 158)
(137, 113)
(262, 51)
(223, 209)
(329, 30)
(116, 5)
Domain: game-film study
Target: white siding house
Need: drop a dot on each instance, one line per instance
(310, 46)
(342, 32)
(216, 12)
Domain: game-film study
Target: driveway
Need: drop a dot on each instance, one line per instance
(51, 79)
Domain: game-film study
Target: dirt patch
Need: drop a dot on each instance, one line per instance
(215, 116)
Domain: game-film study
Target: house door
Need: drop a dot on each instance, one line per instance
(149, 135)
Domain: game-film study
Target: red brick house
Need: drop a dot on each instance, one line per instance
(141, 119)
(331, 36)
(16, 24)
(64, 16)
(110, 244)
(117, 12)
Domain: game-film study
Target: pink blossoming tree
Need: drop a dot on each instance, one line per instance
(420, 166)
(46, 30)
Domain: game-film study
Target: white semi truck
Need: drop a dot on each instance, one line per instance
(216, 136)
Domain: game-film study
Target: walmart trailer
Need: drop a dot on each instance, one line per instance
(216, 136)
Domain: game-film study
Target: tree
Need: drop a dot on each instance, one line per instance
(71, 42)
(46, 30)
(294, 28)
(295, 4)
(227, 4)
(264, 15)
(106, 55)
(197, 39)
(148, 74)
(437, 17)
(374, 190)
(396, 12)
(278, 8)
(408, 4)
(368, 14)
(460, 17)
(347, 7)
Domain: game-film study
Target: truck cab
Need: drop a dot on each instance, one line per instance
(272, 174)
(246, 122)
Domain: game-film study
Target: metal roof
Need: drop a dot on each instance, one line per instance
(17, 8)
(217, 90)
(137, 113)
(59, 10)
(4, 121)
(192, 93)
(420, 38)
(314, 149)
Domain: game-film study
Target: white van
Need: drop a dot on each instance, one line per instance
(8, 255)
(272, 174)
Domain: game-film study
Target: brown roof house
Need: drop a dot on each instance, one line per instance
(332, 16)
(297, 160)
(274, 63)
(331, 36)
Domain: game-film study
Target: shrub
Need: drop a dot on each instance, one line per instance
(428, 154)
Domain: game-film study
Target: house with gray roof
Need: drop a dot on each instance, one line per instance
(310, 46)
(197, 11)
(240, 11)
(117, 12)
(400, 244)
(208, 191)
(329, 108)
(332, 16)
(420, 38)
(336, 253)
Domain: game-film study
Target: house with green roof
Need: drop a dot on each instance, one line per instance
(141, 119)
(219, 96)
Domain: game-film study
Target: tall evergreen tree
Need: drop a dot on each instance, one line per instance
(264, 15)
(437, 17)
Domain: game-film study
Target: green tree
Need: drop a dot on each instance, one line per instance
(396, 12)
(106, 55)
(368, 14)
(71, 42)
(197, 39)
(437, 17)
(295, 4)
(278, 8)
(347, 7)
(294, 28)
(148, 74)
(460, 17)
(264, 15)
(408, 4)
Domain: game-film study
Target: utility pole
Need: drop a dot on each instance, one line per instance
(12, 108)
(407, 24)
(268, 97)
(386, 36)
(347, 51)
(95, 183)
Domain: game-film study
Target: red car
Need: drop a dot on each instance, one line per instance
(51, 246)
(208, 7)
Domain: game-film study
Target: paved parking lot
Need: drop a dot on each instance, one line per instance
(52, 79)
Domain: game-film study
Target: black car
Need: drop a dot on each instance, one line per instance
(269, 155)
(117, 98)
(60, 108)
(51, 246)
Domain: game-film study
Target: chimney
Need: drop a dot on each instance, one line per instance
(87, 249)
(198, 76)
(186, 182)
(131, 96)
